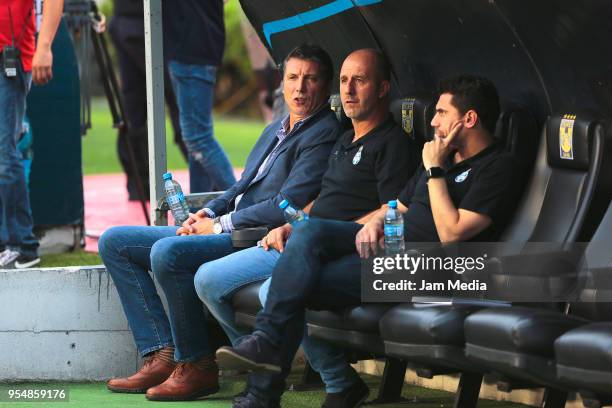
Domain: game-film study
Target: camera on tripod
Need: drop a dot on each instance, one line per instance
(85, 24)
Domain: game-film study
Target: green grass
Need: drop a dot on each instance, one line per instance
(236, 136)
(74, 258)
(95, 395)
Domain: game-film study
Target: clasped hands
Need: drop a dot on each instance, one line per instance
(197, 224)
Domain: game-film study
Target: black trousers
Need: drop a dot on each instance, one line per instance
(127, 34)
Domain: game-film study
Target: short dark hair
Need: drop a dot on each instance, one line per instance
(473, 92)
(383, 67)
(312, 52)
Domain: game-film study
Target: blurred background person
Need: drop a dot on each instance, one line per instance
(267, 76)
(194, 40)
(126, 29)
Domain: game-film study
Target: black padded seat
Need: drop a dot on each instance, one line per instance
(354, 327)
(563, 203)
(518, 340)
(246, 304)
(584, 359)
(426, 334)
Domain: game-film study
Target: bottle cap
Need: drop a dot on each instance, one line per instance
(392, 204)
(167, 176)
(283, 204)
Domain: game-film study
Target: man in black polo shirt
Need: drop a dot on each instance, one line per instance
(368, 166)
(463, 193)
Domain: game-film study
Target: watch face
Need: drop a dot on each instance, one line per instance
(217, 228)
(435, 172)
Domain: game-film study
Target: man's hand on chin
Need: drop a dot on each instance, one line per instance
(203, 226)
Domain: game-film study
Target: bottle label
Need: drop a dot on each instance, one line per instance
(394, 230)
(173, 199)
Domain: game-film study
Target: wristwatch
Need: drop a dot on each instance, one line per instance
(434, 172)
(217, 227)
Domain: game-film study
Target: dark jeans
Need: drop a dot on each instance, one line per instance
(319, 269)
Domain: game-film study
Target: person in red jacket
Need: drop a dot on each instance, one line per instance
(23, 59)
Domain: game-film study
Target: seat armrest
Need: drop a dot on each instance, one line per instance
(196, 200)
(535, 277)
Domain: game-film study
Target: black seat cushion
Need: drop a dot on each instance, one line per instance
(425, 325)
(588, 347)
(518, 329)
(584, 360)
(246, 300)
(364, 318)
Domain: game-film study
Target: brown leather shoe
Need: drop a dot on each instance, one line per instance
(153, 372)
(186, 383)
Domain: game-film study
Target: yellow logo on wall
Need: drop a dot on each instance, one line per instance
(566, 137)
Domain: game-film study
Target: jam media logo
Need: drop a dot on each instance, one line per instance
(461, 177)
(566, 137)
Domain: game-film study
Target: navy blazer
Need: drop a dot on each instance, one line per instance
(295, 173)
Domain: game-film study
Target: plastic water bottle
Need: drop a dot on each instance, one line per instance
(175, 199)
(394, 230)
(292, 215)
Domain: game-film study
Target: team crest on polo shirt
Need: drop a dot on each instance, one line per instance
(357, 157)
(461, 177)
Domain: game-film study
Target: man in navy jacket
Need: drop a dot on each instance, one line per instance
(287, 162)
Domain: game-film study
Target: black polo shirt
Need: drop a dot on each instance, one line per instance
(366, 173)
(484, 183)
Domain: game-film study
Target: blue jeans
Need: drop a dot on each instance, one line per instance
(217, 281)
(15, 214)
(129, 253)
(209, 167)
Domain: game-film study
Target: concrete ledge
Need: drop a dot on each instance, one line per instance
(63, 324)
